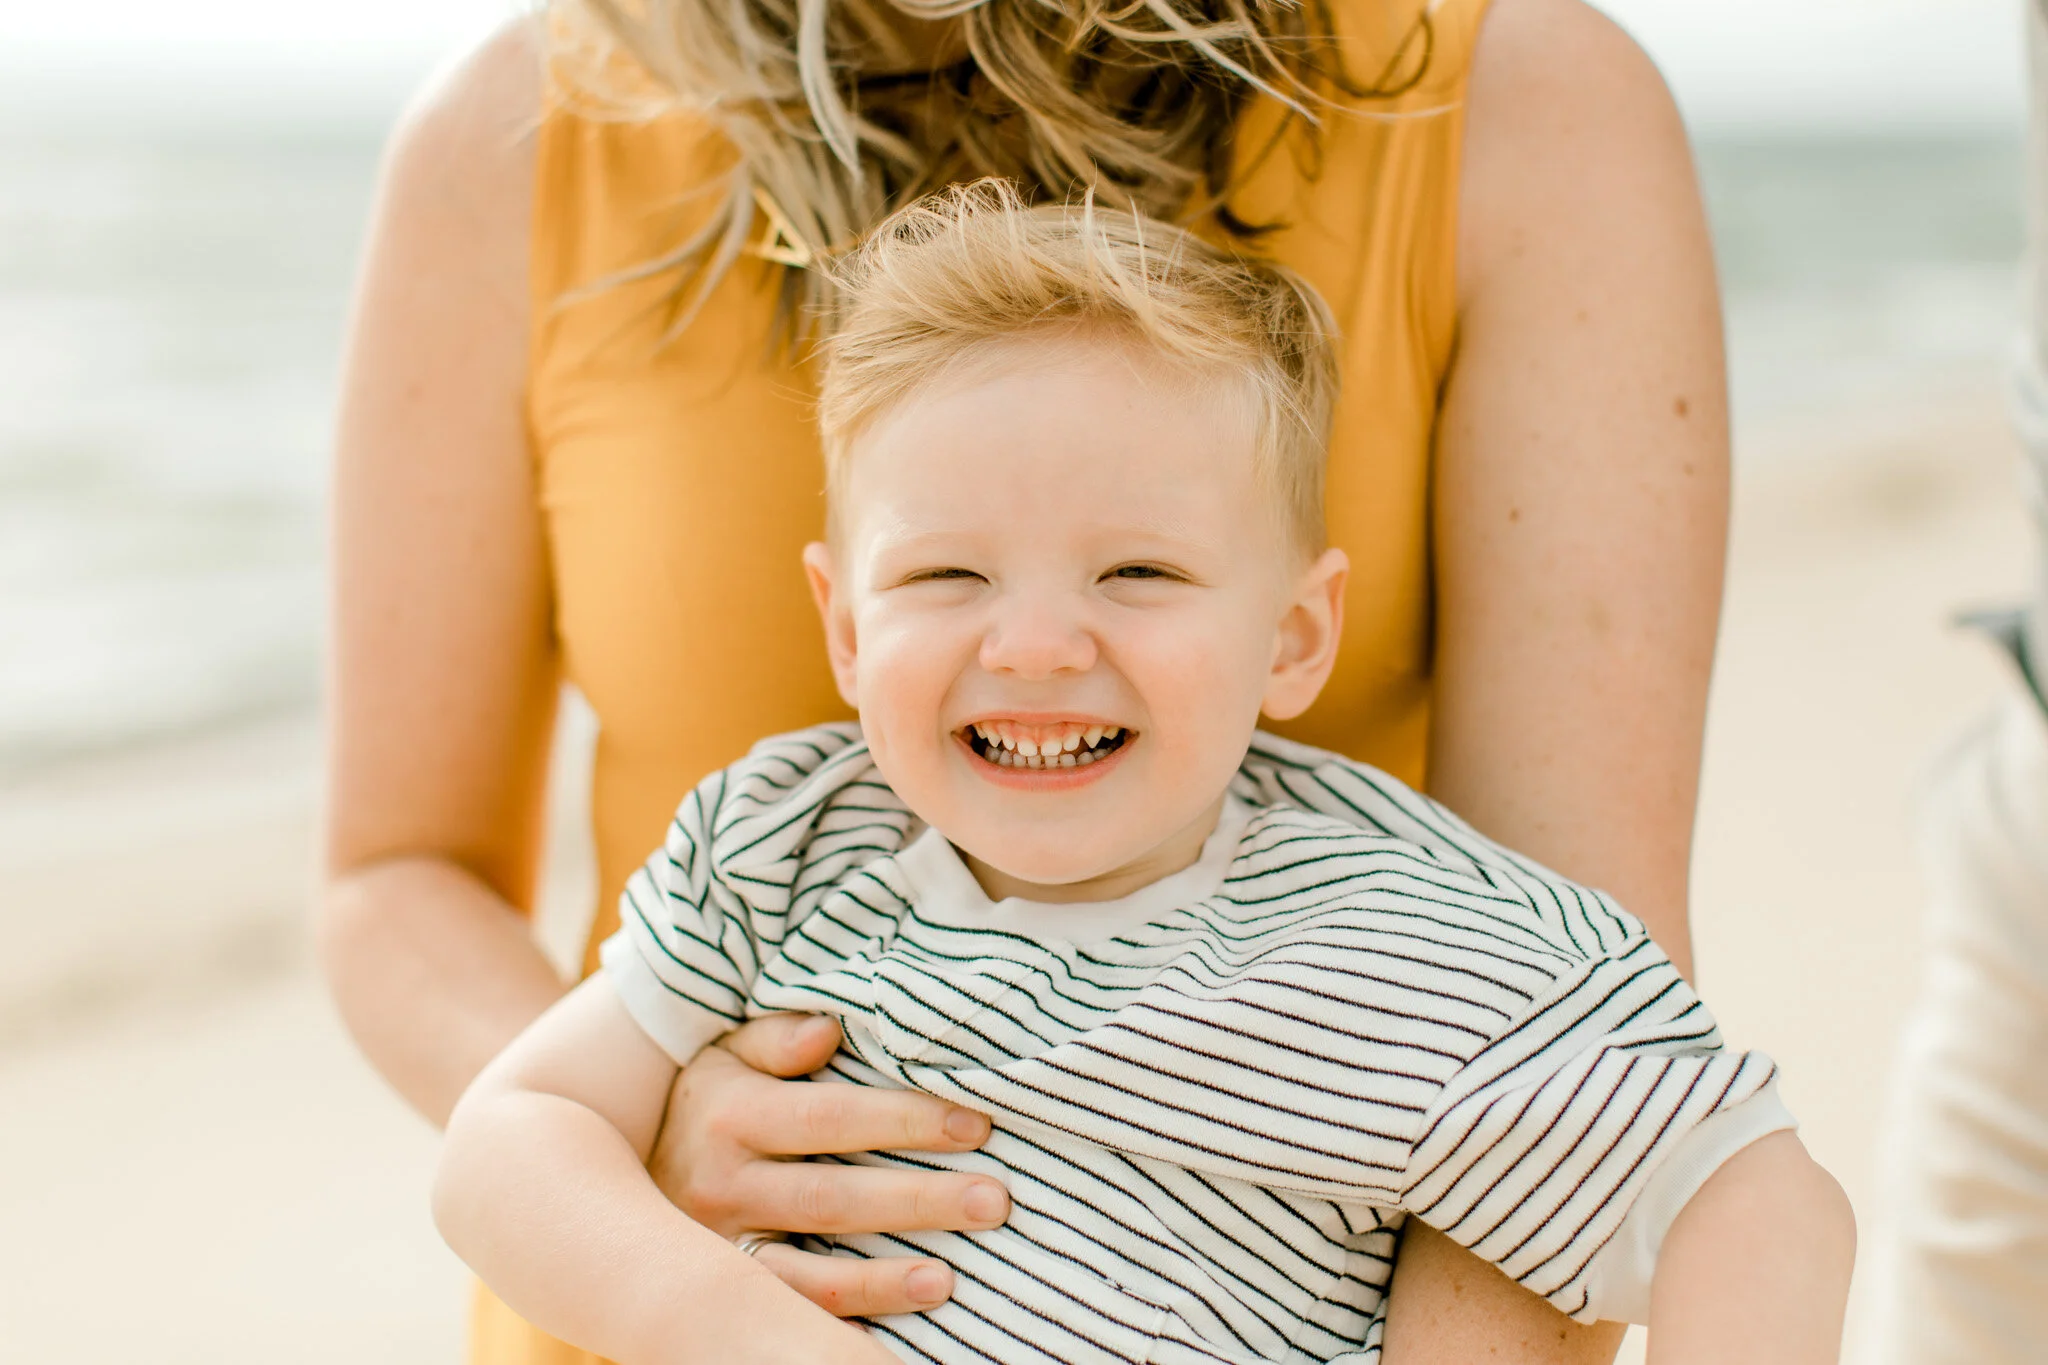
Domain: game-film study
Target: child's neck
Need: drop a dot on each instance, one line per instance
(1182, 850)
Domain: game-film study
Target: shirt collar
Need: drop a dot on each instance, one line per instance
(945, 892)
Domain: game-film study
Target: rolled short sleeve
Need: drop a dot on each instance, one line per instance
(1535, 1152)
(685, 955)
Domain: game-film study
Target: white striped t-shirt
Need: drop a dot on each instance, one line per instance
(1215, 1101)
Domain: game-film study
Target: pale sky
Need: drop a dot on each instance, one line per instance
(1807, 62)
(1853, 62)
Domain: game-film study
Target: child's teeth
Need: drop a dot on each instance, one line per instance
(1074, 749)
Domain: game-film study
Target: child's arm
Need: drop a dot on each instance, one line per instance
(543, 1190)
(1756, 1266)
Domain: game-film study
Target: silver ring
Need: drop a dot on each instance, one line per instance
(752, 1242)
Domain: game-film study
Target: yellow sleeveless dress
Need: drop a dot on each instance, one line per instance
(679, 482)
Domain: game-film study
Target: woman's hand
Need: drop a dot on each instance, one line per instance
(731, 1151)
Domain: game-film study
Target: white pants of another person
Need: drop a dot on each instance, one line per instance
(1956, 1264)
(1958, 1261)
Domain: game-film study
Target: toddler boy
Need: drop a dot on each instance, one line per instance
(1236, 1007)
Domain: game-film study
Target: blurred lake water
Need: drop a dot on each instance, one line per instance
(174, 282)
(172, 294)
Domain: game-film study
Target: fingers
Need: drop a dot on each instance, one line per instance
(819, 1119)
(786, 1045)
(795, 1196)
(717, 1156)
(846, 1286)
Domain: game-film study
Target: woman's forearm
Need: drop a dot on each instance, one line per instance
(1448, 1307)
(432, 971)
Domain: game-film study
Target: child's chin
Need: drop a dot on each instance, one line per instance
(1045, 868)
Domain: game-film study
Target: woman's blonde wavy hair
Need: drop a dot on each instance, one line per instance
(1134, 101)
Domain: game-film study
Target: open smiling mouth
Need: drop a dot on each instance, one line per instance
(1044, 747)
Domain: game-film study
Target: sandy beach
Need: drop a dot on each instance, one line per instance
(196, 1167)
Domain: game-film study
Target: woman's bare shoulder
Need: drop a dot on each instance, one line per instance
(1550, 34)
(461, 159)
(1566, 118)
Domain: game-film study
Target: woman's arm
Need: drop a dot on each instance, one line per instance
(444, 683)
(1582, 472)
(1580, 524)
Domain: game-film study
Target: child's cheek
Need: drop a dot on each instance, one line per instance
(1193, 675)
(905, 670)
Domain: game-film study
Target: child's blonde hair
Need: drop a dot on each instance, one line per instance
(973, 264)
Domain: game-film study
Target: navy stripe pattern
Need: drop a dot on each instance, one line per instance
(1214, 1123)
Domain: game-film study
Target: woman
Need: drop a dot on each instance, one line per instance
(573, 444)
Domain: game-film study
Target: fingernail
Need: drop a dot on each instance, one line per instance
(964, 1125)
(986, 1202)
(929, 1284)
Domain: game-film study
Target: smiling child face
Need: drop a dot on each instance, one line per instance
(1060, 595)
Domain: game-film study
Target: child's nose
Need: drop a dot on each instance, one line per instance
(1037, 639)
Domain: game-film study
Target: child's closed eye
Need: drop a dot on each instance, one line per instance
(1144, 573)
(945, 575)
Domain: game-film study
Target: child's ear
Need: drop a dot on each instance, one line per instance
(1305, 646)
(837, 616)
